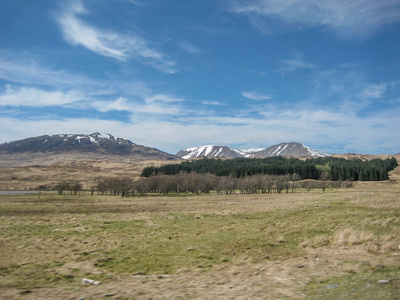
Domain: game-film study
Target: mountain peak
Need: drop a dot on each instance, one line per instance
(95, 143)
(209, 151)
(292, 149)
(101, 135)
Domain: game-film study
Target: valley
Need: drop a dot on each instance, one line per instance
(338, 243)
(341, 244)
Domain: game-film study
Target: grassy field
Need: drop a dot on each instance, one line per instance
(87, 172)
(341, 244)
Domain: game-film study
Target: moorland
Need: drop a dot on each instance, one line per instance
(339, 244)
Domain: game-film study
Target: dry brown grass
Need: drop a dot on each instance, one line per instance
(349, 237)
(332, 245)
(30, 177)
(211, 246)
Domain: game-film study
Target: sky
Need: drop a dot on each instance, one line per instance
(178, 74)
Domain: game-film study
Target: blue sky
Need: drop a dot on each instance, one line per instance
(178, 74)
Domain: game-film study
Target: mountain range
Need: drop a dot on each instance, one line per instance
(103, 146)
(283, 149)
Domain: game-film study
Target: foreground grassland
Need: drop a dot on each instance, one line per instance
(341, 244)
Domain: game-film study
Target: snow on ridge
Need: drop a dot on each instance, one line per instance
(94, 137)
(221, 151)
(194, 148)
(206, 150)
(314, 152)
(283, 149)
(251, 150)
(93, 140)
(105, 136)
(197, 151)
(277, 149)
(102, 135)
(80, 137)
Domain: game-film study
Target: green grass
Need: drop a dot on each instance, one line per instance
(57, 240)
(364, 284)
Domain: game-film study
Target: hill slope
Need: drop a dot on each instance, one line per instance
(290, 149)
(77, 147)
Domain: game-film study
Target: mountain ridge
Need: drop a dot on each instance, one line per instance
(292, 149)
(59, 148)
(96, 146)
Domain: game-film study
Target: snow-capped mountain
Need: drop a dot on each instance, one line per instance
(289, 149)
(250, 152)
(283, 149)
(99, 143)
(209, 151)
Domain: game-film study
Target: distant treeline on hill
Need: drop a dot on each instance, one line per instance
(335, 168)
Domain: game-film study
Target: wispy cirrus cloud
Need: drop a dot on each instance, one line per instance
(26, 70)
(27, 96)
(215, 103)
(375, 91)
(256, 96)
(106, 42)
(294, 64)
(351, 18)
(160, 104)
(189, 47)
(121, 104)
(15, 96)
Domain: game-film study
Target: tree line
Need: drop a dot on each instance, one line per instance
(245, 176)
(194, 183)
(337, 168)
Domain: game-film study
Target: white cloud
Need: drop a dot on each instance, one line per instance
(338, 132)
(347, 17)
(33, 97)
(25, 70)
(374, 91)
(163, 98)
(256, 96)
(292, 65)
(216, 103)
(106, 42)
(135, 2)
(121, 104)
(161, 104)
(189, 47)
(26, 96)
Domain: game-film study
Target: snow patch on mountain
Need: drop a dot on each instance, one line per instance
(209, 151)
(314, 152)
(82, 144)
(94, 138)
(284, 149)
